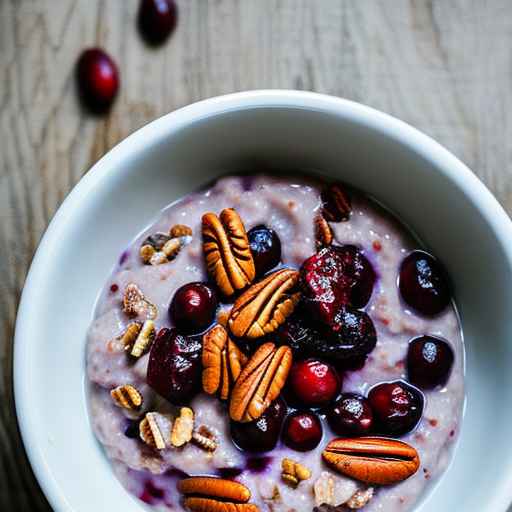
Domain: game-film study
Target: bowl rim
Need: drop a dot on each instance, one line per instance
(442, 159)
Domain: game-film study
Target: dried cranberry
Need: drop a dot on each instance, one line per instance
(397, 407)
(302, 431)
(98, 79)
(350, 416)
(157, 19)
(193, 307)
(429, 362)
(423, 284)
(262, 434)
(265, 248)
(174, 367)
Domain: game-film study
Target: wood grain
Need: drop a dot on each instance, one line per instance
(444, 67)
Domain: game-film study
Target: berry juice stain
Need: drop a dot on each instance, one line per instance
(258, 464)
(123, 257)
(229, 472)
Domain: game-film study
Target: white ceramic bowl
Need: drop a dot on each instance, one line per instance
(450, 209)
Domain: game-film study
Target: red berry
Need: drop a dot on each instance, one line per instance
(193, 307)
(350, 416)
(429, 362)
(397, 407)
(174, 367)
(423, 284)
(98, 79)
(157, 19)
(313, 383)
(302, 431)
(265, 248)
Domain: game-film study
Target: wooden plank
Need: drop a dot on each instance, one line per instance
(444, 67)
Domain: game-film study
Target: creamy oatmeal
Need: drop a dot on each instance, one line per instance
(316, 300)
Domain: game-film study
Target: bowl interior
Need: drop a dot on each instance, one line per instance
(432, 192)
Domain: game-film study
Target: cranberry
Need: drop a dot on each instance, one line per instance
(397, 407)
(174, 367)
(302, 431)
(193, 307)
(350, 416)
(260, 435)
(429, 362)
(300, 336)
(334, 277)
(313, 383)
(157, 19)
(352, 334)
(98, 79)
(265, 248)
(423, 284)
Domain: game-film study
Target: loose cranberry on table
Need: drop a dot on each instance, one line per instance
(174, 367)
(265, 248)
(193, 307)
(313, 383)
(302, 431)
(157, 19)
(262, 434)
(350, 416)
(423, 284)
(334, 277)
(429, 362)
(397, 407)
(97, 79)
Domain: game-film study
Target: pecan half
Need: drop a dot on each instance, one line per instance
(260, 382)
(144, 339)
(195, 504)
(130, 334)
(372, 460)
(179, 230)
(215, 488)
(323, 232)
(227, 251)
(136, 304)
(182, 427)
(336, 203)
(205, 439)
(265, 305)
(222, 362)
(127, 397)
(293, 472)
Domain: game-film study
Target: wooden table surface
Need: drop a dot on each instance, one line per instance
(442, 66)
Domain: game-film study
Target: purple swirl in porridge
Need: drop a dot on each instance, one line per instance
(276, 344)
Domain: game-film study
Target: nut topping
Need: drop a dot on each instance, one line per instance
(265, 305)
(360, 498)
(222, 362)
(323, 232)
(372, 460)
(227, 252)
(179, 230)
(182, 427)
(333, 490)
(135, 304)
(209, 494)
(336, 203)
(154, 430)
(127, 397)
(293, 473)
(144, 339)
(205, 439)
(129, 336)
(260, 382)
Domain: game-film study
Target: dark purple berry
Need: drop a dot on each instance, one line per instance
(423, 284)
(302, 431)
(174, 367)
(313, 383)
(157, 19)
(265, 248)
(429, 362)
(193, 307)
(350, 416)
(397, 407)
(97, 79)
(262, 434)
(351, 335)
